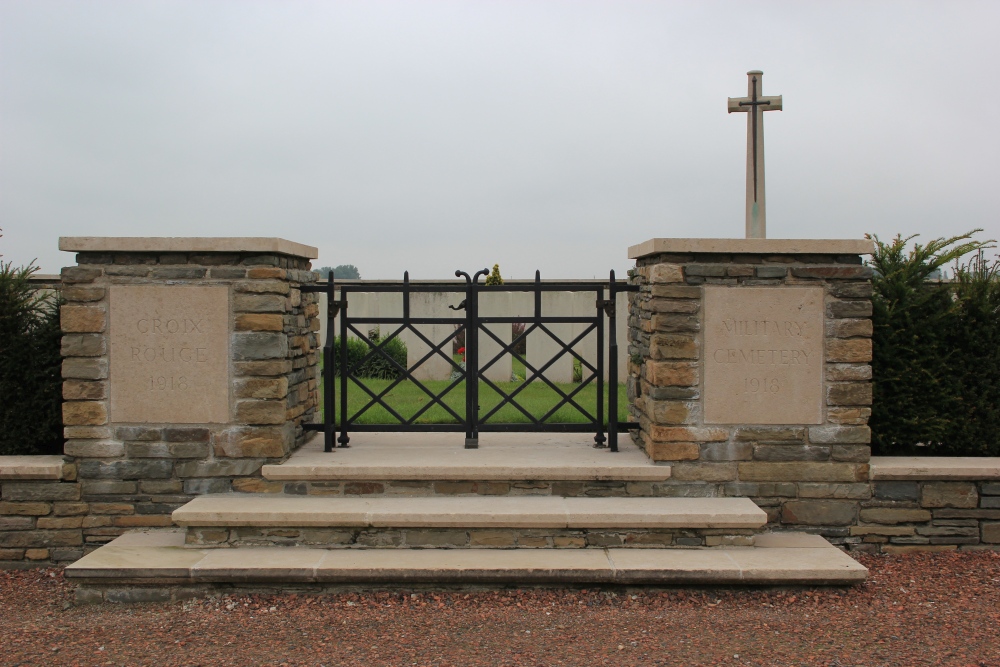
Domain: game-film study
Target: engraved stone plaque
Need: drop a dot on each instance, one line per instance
(763, 355)
(169, 354)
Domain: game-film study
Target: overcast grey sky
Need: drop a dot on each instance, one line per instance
(432, 136)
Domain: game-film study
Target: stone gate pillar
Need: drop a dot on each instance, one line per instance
(749, 371)
(189, 363)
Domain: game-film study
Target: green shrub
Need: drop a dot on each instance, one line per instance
(30, 366)
(379, 365)
(935, 377)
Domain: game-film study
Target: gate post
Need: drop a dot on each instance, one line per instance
(188, 364)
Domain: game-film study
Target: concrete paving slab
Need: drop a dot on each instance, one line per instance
(790, 541)
(471, 566)
(258, 564)
(663, 513)
(469, 512)
(442, 456)
(796, 565)
(142, 556)
(272, 510)
(31, 467)
(143, 559)
(884, 468)
(668, 566)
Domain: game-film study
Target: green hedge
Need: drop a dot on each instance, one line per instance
(936, 350)
(30, 362)
(379, 365)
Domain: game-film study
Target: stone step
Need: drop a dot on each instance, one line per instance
(233, 510)
(143, 566)
(381, 457)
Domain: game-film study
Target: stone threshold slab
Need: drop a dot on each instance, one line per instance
(442, 457)
(31, 467)
(160, 558)
(198, 244)
(899, 468)
(464, 512)
(753, 247)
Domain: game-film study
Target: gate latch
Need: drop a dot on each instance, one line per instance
(460, 306)
(608, 305)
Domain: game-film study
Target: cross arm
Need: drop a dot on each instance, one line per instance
(770, 103)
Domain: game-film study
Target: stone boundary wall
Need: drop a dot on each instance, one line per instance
(120, 476)
(931, 504)
(805, 476)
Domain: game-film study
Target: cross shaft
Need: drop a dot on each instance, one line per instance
(755, 104)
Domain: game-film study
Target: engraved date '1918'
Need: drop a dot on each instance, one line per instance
(761, 385)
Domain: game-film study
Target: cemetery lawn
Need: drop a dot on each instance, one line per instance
(537, 398)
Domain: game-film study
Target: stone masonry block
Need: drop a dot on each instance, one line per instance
(98, 449)
(849, 350)
(41, 538)
(145, 469)
(675, 323)
(79, 293)
(673, 451)
(848, 372)
(687, 434)
(167, 450)
(666, 273)
(260, 322)
(262, 387)
(849, 309)
(84, 413)
(84, 390)
(991, 532)
(848, 416)
(771, 434)
(703, 472)
(819, 512)
(840, 435)
(83, 345)
(726, 451)
(673, 346)
(271, 368)
(85, 368)
(836, 272)
(673, 412)
(108, 487)
(894, 515)
(687, 306)
(34, 491)
(670, 373)
(80, 274)
(675, 291)
(262, 287)
(849, 328)
(794, 452)
(186, 434)
(259, 303)
(850, 393)
(83, 319)
(851, 453)
(24, 509)
(897, 490)
(837, 491)
(219, 468)
(260, 412)
(802, 472)
(257, 345)
(949, 494)
(990, 489)
(255, 441)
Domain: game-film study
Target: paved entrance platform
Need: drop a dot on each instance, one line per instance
(442, 456)
(160, 558)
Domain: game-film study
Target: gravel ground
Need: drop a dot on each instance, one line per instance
(918, 609)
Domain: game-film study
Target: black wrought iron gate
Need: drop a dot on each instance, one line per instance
(341, 371)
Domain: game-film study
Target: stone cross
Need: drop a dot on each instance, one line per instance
(755, 104)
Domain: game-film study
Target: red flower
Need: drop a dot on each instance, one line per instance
(461, 350)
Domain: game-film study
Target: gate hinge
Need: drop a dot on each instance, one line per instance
(607, 305)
